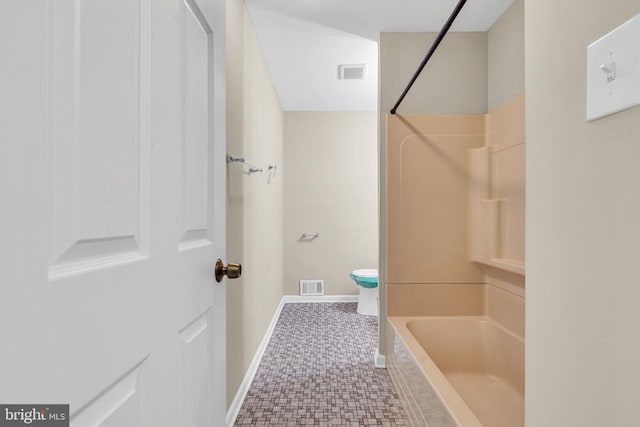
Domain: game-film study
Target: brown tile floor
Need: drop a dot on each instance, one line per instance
(318, 370)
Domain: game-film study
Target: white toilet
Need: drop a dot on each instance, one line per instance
(367, 280)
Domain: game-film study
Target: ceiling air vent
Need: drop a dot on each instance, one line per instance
(351, 71)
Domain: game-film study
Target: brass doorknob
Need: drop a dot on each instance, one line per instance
(232, 271)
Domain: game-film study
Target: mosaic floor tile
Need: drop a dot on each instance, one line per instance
(318, 370)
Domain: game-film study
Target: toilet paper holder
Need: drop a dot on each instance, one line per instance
(309, 236)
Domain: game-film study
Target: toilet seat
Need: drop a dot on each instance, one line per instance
(365, 277)
(368, 273)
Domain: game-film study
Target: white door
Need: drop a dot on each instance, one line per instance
(112, 192)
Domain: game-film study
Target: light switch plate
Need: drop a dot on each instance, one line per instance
(613, 71)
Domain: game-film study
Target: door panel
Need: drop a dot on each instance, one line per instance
(196, 359)
(196, 151)
(198, 190)
(113, 174)
(98, 118)
(117, 406)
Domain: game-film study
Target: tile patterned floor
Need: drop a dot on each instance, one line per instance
(318, 370)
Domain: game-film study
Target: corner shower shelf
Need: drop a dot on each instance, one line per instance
(489, 216)
(506, 264)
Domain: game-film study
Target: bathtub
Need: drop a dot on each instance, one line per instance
(464, 371)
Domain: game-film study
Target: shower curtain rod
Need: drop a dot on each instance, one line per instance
(443, 32)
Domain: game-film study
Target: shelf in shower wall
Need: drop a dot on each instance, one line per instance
(489, 241)
(506, 264)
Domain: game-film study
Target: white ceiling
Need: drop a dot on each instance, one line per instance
(304, 41)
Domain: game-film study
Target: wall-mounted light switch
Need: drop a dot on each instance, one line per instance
(613, 71)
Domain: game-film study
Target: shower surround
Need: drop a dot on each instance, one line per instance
(455, 250)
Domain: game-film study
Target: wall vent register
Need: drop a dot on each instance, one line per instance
(311, 287)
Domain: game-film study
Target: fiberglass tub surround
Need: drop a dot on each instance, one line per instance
(455, 272)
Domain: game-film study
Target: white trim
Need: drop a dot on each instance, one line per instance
(324, 298)
(234, 408)
(380, 360)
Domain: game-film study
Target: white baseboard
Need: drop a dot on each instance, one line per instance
(323, 298)
(235, 406)
(380, 360)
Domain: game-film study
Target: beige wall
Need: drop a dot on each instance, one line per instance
(254, 208)
(454, 82)
(505, 56)
(583, 227)
(330, 184)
